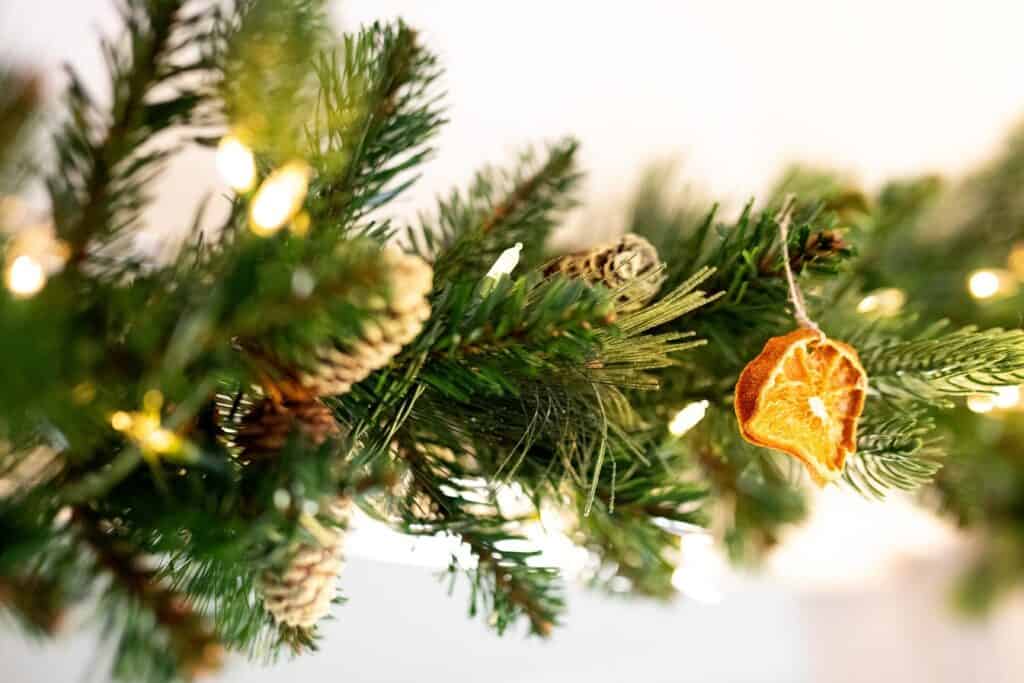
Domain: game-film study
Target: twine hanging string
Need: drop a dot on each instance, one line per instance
(796, 296)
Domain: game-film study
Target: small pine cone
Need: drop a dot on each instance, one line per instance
(22, 471)
(341, 364)
(300, 594)
(265, 429)
(824, 244)
(629, 265)
(820, 246)
(412, 503)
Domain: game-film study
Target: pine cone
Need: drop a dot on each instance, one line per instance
(22, 471)
(820, 246)
(405, 501)
(266, 428)
(300, 594)
(824, 244)
(341, 364)
(629, 265)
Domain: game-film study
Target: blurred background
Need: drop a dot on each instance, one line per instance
(734, 91)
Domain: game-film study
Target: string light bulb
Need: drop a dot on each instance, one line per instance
(121, 421)
(687, 418)
(506, 262)
(33, 254)
(1002, 398)
(980, 403)
(145, 429)
(279, 198)
(236, 163)
(883, 302)
(988, 283)
(25, 276)
(1007, 397)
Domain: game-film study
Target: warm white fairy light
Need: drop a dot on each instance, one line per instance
(236, 163)
(33, 254)
(145, 429)
(121, 421)
(687, 418)
(1001, 398)
(303, 283)
(981, 403)
(161, 440)
(506, 263)
(1006, 397)
(883, 302)
(987, 283)
(279, 198)
(983, 284)
(25, 276)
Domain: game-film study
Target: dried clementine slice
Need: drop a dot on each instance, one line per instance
(803, 395)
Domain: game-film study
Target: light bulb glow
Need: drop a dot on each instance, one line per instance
(161, 440)
(121, 421)
(987, 283)
(279, 198)
(1002, 398)
(25, 276)
(882, 302)
(33, 254)
(236, 163)
(981, 403)
(145, 429)
(687, 418)
(1006, 397)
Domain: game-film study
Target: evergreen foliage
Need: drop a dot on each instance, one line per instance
(524, 381)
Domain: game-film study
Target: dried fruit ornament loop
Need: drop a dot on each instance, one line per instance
(803, 395)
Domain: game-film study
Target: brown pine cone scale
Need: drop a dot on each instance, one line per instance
(266, 428)
(630, 266)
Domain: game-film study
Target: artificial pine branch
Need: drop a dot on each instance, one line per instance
(375, 113)
(98, 189)
(263, 53)
(506, 582)
(531, 380)
(192, 646)
(894, 450)
(514, 585)
(499, 209)
(634, 524)
(938, 363)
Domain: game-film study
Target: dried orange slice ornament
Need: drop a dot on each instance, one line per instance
(803, 395)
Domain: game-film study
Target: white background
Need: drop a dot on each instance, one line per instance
(735, 90)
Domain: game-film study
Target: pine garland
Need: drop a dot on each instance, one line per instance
(196, 410)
